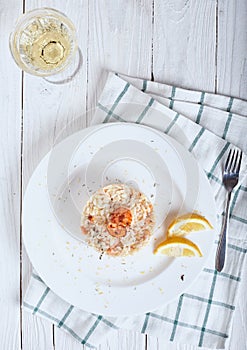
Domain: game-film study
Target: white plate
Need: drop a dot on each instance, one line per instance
(93, 157)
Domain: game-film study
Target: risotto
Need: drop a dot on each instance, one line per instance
(117, 220)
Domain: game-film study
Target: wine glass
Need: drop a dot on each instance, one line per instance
(43, 42)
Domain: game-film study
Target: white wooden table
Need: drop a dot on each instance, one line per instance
(199, 44)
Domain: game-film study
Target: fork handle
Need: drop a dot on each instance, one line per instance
(221, 250)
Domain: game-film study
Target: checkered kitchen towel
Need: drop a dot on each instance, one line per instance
(210, 123)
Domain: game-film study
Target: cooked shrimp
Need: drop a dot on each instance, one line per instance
(118, 220)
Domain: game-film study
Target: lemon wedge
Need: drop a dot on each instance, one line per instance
(178, 246)
(185, 224)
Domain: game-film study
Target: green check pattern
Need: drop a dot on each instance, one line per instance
(208, 125)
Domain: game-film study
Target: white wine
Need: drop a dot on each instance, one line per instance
(44, 43)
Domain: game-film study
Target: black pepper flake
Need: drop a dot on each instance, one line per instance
(182, 277)
(100, 257)
(151, 140)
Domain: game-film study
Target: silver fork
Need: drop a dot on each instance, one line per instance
(230, 180)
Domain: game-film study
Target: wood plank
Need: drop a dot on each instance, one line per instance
(64, 341)
(48, 108)
(232, 48)
(232, 80)
(36, 333)
(120, 40)
(125, 340)
(10, 134)
(184, 43)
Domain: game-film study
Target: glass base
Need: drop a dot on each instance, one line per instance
(69, 73)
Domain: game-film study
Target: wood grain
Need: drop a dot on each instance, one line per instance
(64, 341)
(232, 48)
(184, 43)
(120, 40)
(10, 151)
(124, 340)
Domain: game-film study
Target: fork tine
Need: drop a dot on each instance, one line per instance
(239, 162)
(231, 162)
(233, 169)
(228, 160)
